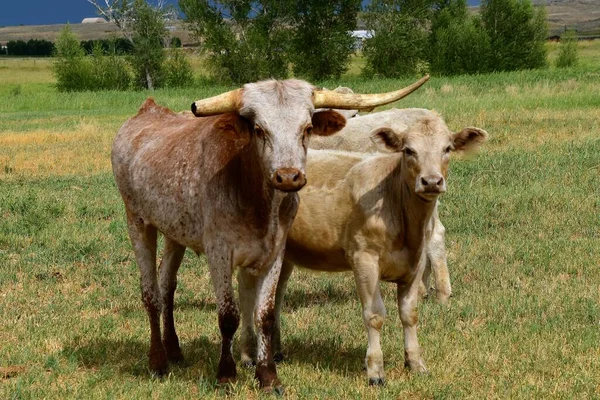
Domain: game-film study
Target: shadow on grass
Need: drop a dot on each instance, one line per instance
(332, 294)
(326, 354)
(130, 357)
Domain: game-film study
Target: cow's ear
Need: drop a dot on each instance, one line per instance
(327, 122)
(469, 138)
(386, 139)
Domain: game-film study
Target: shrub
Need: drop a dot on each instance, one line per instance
(109, 69)
(72, 71)
(175, 42)
(567, 50)
(178, 70)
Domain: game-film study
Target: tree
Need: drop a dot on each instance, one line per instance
(145, 27)
(71, 69)
(567, 50)
(321, 44)
(243, 40)
(149, 35)
(458, 43)
(397, 47)
(517, 34)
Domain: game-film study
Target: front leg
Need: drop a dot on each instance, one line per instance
(221, 268)
(266, 372)
(408, 294)
(366, 274)
(247, 294)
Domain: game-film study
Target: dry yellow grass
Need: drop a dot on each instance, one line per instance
(83, 151)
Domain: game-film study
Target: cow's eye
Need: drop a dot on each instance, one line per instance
(409, 152)
(258, 131)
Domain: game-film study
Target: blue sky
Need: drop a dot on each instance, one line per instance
(49, 12)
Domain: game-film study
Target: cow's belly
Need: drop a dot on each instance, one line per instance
(327, 260)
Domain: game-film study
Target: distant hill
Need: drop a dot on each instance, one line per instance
(582, 15)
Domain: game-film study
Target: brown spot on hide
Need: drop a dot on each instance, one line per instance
(376, 321)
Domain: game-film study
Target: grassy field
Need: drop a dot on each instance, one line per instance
(523, 238)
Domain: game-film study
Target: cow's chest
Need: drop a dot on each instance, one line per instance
(396, 264)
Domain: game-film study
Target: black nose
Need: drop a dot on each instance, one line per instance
(288, 179)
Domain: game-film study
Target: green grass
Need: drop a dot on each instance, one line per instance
(523, 234)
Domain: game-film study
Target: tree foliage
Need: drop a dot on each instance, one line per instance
(397, 47)
(458, 43)
(321, 43)
(32, 47)
(567, 50)
(517, 33)
(149, 33)
(243, 40)
(145, 26)
(71, 69)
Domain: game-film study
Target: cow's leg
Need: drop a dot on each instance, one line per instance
(407, 304)
(425, 284)
(436, 253)
(266, 372)
(143, 239)
(247, 291)
(286, 272)
(172, 256)
(221, 270)
(366, 275)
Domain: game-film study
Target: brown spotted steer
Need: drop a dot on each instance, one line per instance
(223, 185)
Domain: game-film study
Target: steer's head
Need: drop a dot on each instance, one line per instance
(426, 146)
(282, 118)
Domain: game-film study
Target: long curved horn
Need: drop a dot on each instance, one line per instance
(219, 104)
(355, 101)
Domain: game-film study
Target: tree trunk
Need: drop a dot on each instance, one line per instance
(149, 83)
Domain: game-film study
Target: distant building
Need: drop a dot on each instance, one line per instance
(94, 20)
(360, 37)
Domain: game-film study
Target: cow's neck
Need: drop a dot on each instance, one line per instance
(414, 214)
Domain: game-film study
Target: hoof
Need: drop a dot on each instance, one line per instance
(159, 373)
(159, 365)
(175, 356)
(417, 367)
(376, 381)
(278, 357)
(225, 380)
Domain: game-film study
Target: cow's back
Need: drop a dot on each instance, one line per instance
(355, 136)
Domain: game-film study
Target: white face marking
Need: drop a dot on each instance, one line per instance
(281, 110)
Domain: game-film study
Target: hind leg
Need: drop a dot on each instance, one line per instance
(143, 239)
(172, 257)
(286, 272)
